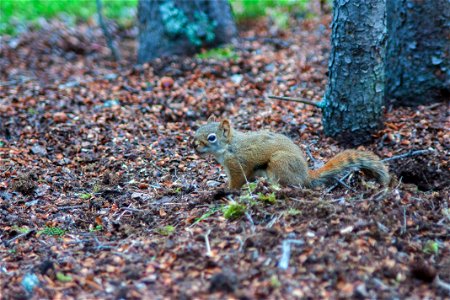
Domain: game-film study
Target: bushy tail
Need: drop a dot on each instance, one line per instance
(347, 161)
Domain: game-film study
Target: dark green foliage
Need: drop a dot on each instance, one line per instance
(173, 18)
(201, 30)
(53, 231)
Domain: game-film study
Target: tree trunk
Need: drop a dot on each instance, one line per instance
(177, 27)
(418, 51)
(354, 97)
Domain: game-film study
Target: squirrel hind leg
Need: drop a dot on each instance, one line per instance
(287, 169)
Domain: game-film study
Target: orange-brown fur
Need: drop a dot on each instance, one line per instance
(246, 155)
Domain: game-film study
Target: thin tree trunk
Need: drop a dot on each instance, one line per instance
(177, 27)
(354, 97)
(109, 39)
(418, 51)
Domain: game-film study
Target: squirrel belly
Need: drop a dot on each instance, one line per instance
(247, 155)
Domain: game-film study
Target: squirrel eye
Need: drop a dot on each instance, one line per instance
(212, 138)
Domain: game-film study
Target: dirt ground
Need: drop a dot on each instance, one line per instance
(102, 195)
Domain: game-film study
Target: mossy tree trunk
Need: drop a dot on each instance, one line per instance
(177, 27)
(354, 98)
(418, 51)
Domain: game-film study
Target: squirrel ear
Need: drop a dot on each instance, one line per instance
(226, 127)
(212, 118)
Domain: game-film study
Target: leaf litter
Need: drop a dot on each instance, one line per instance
(97, 155)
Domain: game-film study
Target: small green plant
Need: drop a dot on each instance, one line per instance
(252, 186)
(86, 196)
(234, 210)
(248, 198)
(275, 282)
(221, 53)
(206, 215)
(275, 187)
(166, 230)
(23, 229)
(96, 228)
(270, 198)
(431, 247)
(294, 212)
(32, 111)
(63, 278)
(279, 17)
(96, 188)
(53, 231)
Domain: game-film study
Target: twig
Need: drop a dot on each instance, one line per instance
(379, 283)
(132, 209)
(346, 185)
(8, 242)
(72, 207)
(317, 163)
(382, 227)
(300, 100)
(339, 181)
(241, 243)
(15, 82)
(125, 209)
(114, 50)
(286, 252)
(252, 224)
(273, 221)
(101, 246)
(270, 40)
(208, 247)
(408, 154)
(403, 230)
(243, 173)
(442, 284)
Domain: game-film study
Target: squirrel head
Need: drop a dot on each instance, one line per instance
(213, 137)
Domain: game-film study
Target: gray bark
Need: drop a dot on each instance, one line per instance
(354, 97)
(418, 51)
(109, 39)
(157, 40)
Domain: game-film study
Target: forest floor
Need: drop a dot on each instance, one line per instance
(102, 195)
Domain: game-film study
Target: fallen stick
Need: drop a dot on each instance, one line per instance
(409, 154)
(286, 252)
(8, 242)
(299, 100)
(338, 181)
(252, 224)
(72, 207)
(442, 284)
(208, 246)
